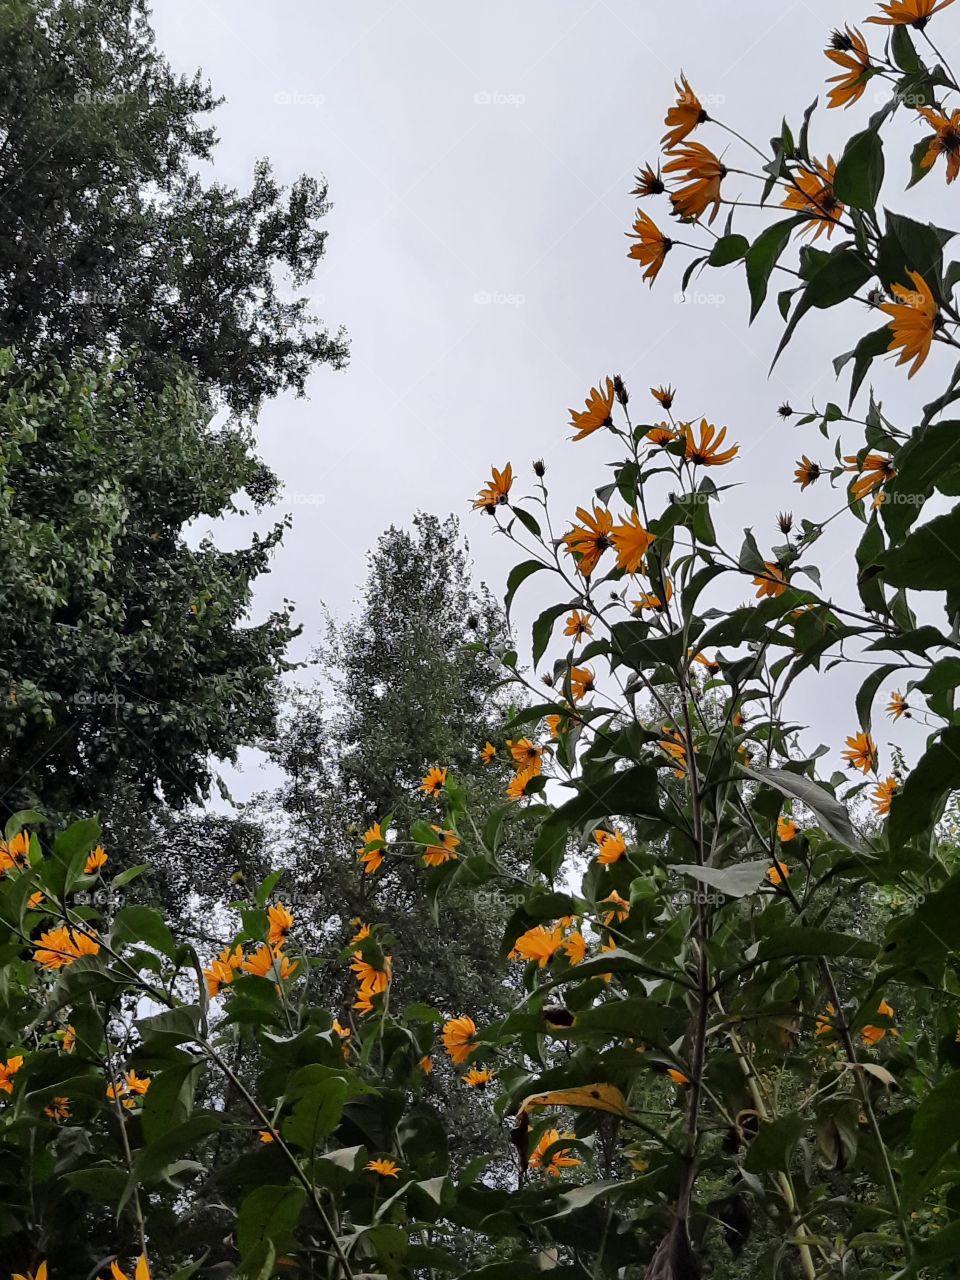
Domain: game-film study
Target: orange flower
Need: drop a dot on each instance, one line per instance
(14, 853)
(862, 753)
(684, 116)
(58, 1108)
(60, 947)
(914, 319)
(574, 947)
(385, 1168)
(426, 1065)
(848, 50)
(445, 848)
(677, 1076)
(281, 922)
(459, 1039)
(651, 247)
(701, 173)
(587, 542)
(371, 981)
(883, 796)
(661, 435)
(777, 874)
(488, 753)
(873, 1035)
(578, 625)
(648, 182)
(807, 472)
(812, 192)
(825, 1024)
(771, 583)
(875, 470)
(269, 962)
(909, 13)
(650, 600)
(706, 452)
(517, 786)
(496, 492)
(597, 414)
(538, 944)
(664, 396)
(68, 1039)
(527, 756)
(558, 1159)
(675, 747)
(8, 1070)
(371, 859)
(477, 1077)
(620, 908)
(711, 664)
(222, 970)
(96, 860)
(945, 140)
(265, 1136)
(631, 543)
(786, 829)
(897, 706)
(434, 782)
(611, 847)
(582, 682)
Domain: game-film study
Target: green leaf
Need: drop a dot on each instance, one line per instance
(632, 793)
(143, 924)
(920, 464)
(934, 1133)
(259, 1264)
(868, 691)
(863, 355)
(830, 812)
(169, 1100)
(926, 561)
(859, 174)
(517, 576)
(269, 1214)
(762, 257)
(919, 803)
(790, 940)
(317, 1112)
(771, 1151)
(728, 249)
(543, 629)
(737, 881)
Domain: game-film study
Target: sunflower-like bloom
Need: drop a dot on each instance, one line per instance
(496, 492)
(874, 472)
(706, 451)
(526, 755)
(574, 947)
(539, 944)
(661, 434)
(578, 625)
(488, 753)
(426, 1065)
(909, 13)
(913, 321)
(434, 781)
(700, 174)
(883, 796)
(872, 1034)
(58, 948)
(778, 873)
(711, 665)
(897, 706)
(682, 118)
(772, 582)
(141, 1270)
(222, 970)
(631, 541)
(675, 747)
(58, 1108)
(39, 1274)
(648, 182)
(861, 753)
(812, 193)
(587, 541)
(517, 786)
(650, 600)
(371, 859)
(460, 1039)
(848, 50)
(445, 848)
(945, 140)
(582, 682)
(620, 908)
(786, 829)
(611, 847)
(8, 1070)
(598, 412)
(651, 247)
(371, 981)
(128, 1090)
(269, 962)
(14, 853)
(385, 1168)
(478, 1077)
(807, 472)
(95, 861)
(281, 922)
(664, 396)
(558, 1159)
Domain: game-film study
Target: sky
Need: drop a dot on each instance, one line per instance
(480, 160)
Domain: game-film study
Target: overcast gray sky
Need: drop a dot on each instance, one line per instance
(480, 159)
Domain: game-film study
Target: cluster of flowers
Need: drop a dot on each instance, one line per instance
(267, 961)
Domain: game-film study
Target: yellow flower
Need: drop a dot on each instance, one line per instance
(711, 664)
(496, 492)
(14, 853)
(221, 971)
(862, 753)
(526, 756)
(771, 583)
(582, 682)
(362, 931)
(611, 845)
(96, 860)
(898, 706)
(873, 1035)
(825, 1024)
(631, 543)
(35, 901)
(8, 1070)
(574, 947)
(650, 600)
(269, 962)
(459, 1039)
(812, 193)
(371, 859)
(281, 922)
(587, 542)
(945, 140)
(677, 1076)
(875, 470)
(807, 472)
(848, 50)
(128, 1090)
(648, 182)
(778, 873)
(786, 829)
(651, 247)
(478, 1078)
(385, 1168)
(684, 116)
(488, 753)
(434, 782)
(435, 855)
(597, 414)
(58, 1108)
(883, 796)
(538, 944)
(68, 1039)
(706, 452)
(578, 625)
(517, 786)
(664, 396)
(60, 947)
(39, 1274)
(559, 1159)
(426, 1065)
(620, 911)
(141, 1272)
(909, 13)
(675, 747)
(914, 319)
(701, 173)
(265, 1136)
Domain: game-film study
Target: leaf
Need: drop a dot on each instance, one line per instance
(172, 1026)
(772, 1149)
(737, 881)
(918, 804)
(790, 940)
(833, 279)
(22, 818)
(868, 691)
(169, 1100)
(859, 174)
(921, 462)
(926, 560)
(269, 1214)
(146, 925)
(517, 576)
(589, 1097)
(830, 812)
(632, 793)
(543, 629)
(762, 257)
(933, 1134)
(728, 249)
(259, 1264)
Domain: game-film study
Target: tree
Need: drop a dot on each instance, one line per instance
(126, 653)
(108, 238)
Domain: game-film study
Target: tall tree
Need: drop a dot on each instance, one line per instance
(109, 240)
